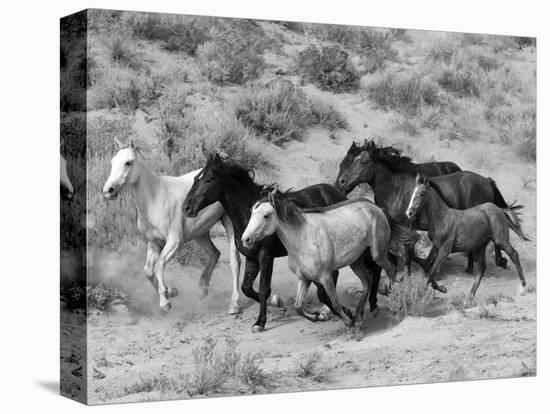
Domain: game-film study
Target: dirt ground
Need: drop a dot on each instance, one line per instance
(489, 341)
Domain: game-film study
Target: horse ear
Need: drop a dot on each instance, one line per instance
(418, 178)
(353, 145)
(118, 143)
(251, 174)
(132, 144)
(217, 159)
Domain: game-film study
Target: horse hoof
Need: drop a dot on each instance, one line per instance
(172, 293)
(166, 308)
(442, 289)
(276, 301)
(323, 316)
(375, 312)
(234, 310)
(203, 292)
(522, 290)
(257, 328)
(469, 271)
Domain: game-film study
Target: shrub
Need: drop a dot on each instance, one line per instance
(120, 87)
(177, 33)
(410, 297)
(102, 132)
(461, 82)
(231, 57)
(310, 366)
(218, 129)
(102, 298)
(329, 67)
(520, 131)
(172, 120)
(406, 93)
(120, 51)
(375, 48)
(280, 112)
(209, 374)
(327, 116)
(73, 294)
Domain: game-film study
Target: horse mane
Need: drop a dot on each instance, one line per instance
(286, 208)
(241, 174)
(391, 157)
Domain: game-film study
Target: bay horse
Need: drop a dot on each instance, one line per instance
(468, 230)
(392, 178)
(158, 201)
(233, 185)
(322, 240)
(66, 187)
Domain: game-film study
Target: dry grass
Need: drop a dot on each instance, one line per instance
(402, 92)
(410, 297)
(310, 366)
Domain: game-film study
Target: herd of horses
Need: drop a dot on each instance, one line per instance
(317, 227)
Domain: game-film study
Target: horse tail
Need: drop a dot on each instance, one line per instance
(515, 224)
(498, 199)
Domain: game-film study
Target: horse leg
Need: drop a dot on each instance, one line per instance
(251, 269)
(205, 242)
(408, 256)
(234, 263)
(360, 269)
(513, 254)
(165, 255)
(375, 271)
(482, 266)
(324, 313)
(470, 267)
(442, 254)
(499, 260)
(266, 271)
(153, 252)
(303, 286)
(344, 313)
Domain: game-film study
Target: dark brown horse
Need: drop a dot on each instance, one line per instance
(429, 169)
(233, 186)
(392, 178)
(468, 230)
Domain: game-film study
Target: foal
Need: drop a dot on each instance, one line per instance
(467, 231)
(159, 218)
(322, 240)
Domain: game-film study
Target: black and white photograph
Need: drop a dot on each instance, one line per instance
(258, 206)
(275, 207)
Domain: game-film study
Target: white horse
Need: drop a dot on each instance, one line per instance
(66, 186)
(325, 239)
(160, 219)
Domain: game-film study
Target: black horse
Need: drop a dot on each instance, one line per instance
(392, 177)
(234, 187)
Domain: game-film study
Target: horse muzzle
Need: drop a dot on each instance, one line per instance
(110, 193)
(189, 211)
(247, 241)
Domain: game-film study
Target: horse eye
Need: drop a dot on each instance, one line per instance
(129, 163)
(266, 216)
